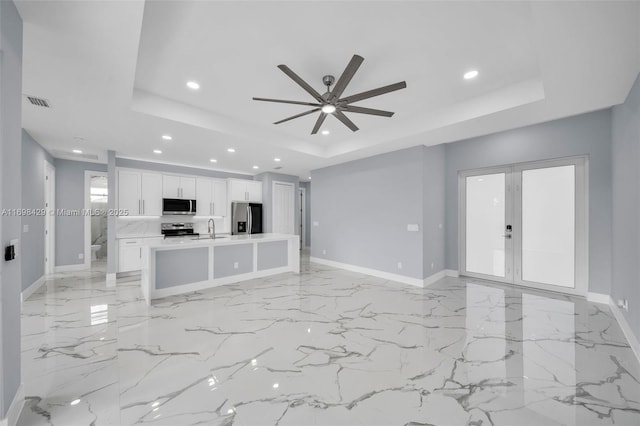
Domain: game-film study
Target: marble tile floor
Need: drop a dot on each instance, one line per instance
(326, 347)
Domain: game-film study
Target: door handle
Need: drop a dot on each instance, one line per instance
(508, 236)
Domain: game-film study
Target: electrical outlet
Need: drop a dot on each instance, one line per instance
(623, 304)
(432, 265)
(80, 256)
(324, 251)
(399, 265)
(413, 227)
(439, 226)
(316, 223)
(25, 228)
(236, 265)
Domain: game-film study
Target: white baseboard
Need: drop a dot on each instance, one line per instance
(32, 288)
(368, 271)
(598, 298)
(71, 268)
(451, 273)
(14, 409)
(626, 328)
(433, 278)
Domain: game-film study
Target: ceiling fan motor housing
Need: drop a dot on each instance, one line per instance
(328, 80)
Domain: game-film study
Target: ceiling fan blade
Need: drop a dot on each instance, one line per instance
(298, 115)
(375, 92)
(340, 116)
(361, 110)
(346, 77)
(282, 101)
(319, 123)
(293, 76)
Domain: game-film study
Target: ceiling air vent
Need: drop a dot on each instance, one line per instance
(39, 102)
(277, 168)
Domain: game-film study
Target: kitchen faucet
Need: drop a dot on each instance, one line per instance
(211, 227)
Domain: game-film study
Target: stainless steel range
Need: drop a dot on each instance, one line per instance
(177, 229)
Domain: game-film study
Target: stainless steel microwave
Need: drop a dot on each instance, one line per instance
(178, 206)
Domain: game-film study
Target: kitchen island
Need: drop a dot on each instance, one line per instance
(181, 265)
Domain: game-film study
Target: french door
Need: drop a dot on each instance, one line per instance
(526, 224)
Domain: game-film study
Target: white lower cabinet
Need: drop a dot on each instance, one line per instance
(130, 253)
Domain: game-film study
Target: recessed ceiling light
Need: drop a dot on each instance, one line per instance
(213, 160)
(75, 402)
(157, 151)
(309, 177)
(276, 160)
(328, 109)
(231, 150)
(193, 85)
(471, 74)
(325, 132)
(77, 151)
(167, 137)
(256, 167)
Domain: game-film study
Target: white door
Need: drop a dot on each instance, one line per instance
(526, 224)
(283, 208)
(129, 192)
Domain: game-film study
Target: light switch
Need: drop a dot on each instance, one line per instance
(25, 228)
(413, 227)
(235, 265)
(316, 223)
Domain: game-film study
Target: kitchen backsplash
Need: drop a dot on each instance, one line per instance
(130, 226)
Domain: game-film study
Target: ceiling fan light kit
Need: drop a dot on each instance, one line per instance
(331, 102)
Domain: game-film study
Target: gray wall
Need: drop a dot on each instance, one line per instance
(584, 134)
(33, 158)
(307, 187)
(626, 205)
(10, 198)
(169, 168)
(70, 195)
(363, 208)
(433, 209)
(267, 200)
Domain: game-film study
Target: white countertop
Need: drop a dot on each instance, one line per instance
(180, 242)
(123, 236)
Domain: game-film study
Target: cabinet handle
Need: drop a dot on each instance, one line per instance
(140, 252)
(139, 206)
(142, 206)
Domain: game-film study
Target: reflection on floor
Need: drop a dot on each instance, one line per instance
(327, 347)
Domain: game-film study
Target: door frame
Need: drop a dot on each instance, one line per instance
(514, 216)
(273, 204)
(87, 217)
(50, 218)
(303, 217)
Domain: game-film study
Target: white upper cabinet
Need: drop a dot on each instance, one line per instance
(140, 193)
(211, 197)
(178, 187)
(129, 192)
(245, 190)
(220, 203)
(151, 191)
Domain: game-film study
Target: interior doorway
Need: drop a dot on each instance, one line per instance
(95, 229)
(283, 211)
(50, 218)
(526, 224)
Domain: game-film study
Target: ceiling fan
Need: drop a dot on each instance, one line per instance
(331, 102)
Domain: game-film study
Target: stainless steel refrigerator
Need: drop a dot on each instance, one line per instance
(246, 218)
